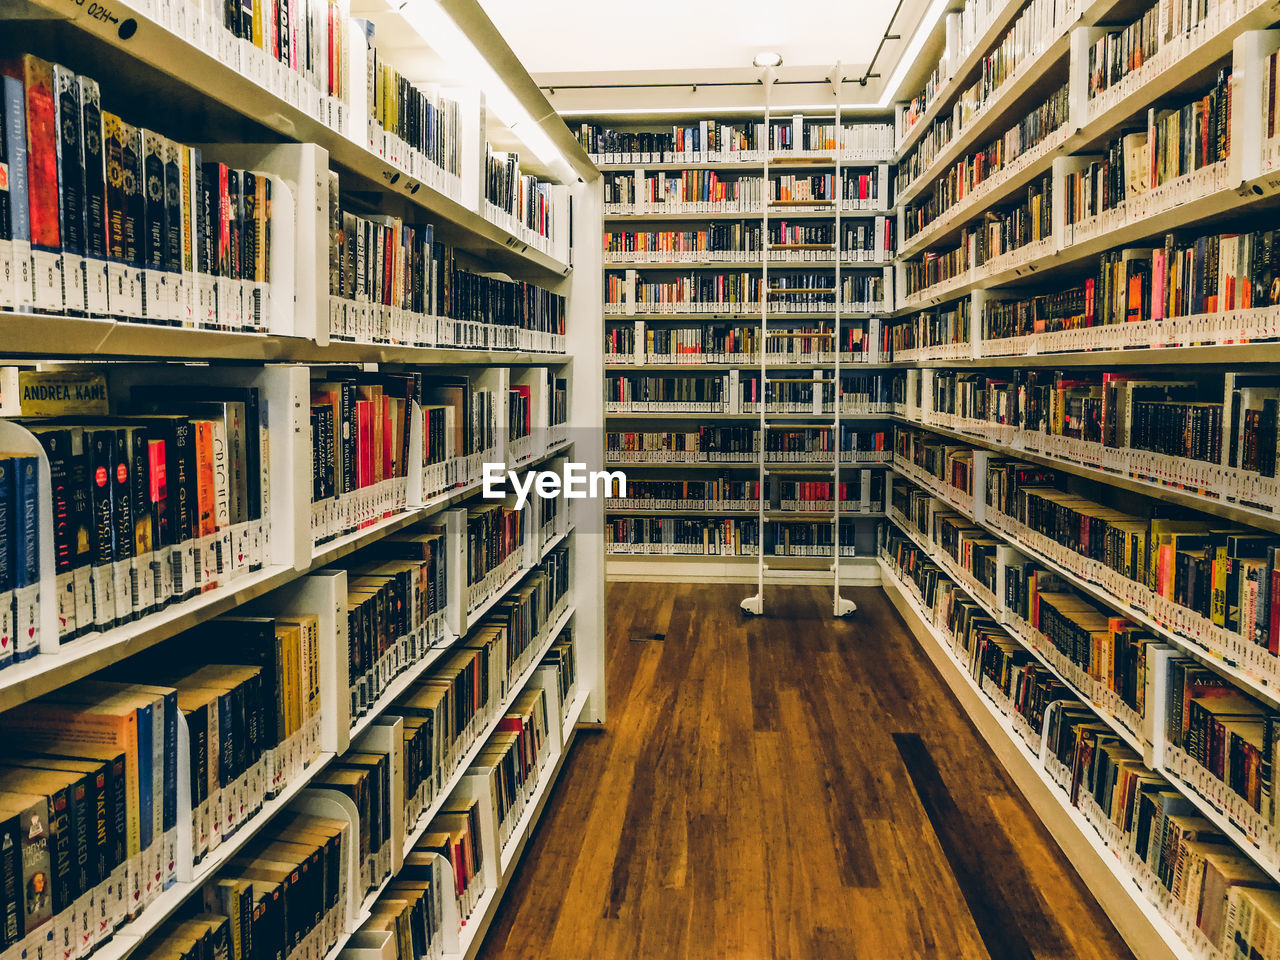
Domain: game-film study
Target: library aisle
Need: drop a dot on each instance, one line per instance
(789, 787)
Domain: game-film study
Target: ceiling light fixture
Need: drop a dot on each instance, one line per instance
(768, 58)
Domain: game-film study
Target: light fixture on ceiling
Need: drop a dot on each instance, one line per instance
(768, 58)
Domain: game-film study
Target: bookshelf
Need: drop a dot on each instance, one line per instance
(996, 361)
(498, 311)
(957, 344)
(729, 203)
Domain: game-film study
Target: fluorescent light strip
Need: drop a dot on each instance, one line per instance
(927, 23)
(437, 30)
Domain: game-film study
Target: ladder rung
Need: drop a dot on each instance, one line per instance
(777, 291)
(799, 161)
(802, 246)
(792, 333)
(800, 203)
(799, 380)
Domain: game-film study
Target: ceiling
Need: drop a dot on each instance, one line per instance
(593, 51)
(560, 36)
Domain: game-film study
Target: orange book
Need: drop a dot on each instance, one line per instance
(205, 492)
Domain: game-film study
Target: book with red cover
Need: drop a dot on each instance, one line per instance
(42, 147)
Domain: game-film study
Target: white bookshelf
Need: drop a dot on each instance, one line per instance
(173, 47)
(1234, 34)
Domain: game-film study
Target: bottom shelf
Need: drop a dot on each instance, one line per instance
(415, 831)
(1102, 868)
(472, 934)
(855, 571)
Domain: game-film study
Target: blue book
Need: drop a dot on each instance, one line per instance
(15, 128)
(6, 524)
(26, 520)
(170, 760)
(25, 553)
(146, 802)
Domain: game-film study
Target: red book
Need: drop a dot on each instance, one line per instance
(388, 438)
(364, 444)
(1273, 628)
(42, 147)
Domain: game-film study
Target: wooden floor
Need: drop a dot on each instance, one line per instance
(785, 787)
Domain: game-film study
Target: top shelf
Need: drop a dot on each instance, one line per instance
(211, 66)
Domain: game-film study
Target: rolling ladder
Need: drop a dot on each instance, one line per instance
(840, 606)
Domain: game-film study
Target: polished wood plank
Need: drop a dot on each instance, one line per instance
(786, 787)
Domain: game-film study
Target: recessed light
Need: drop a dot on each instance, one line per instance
(768, 58)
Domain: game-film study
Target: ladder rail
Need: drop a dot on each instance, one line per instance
(840, 607)
(755, 604)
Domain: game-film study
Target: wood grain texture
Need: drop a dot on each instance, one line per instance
(786, 787)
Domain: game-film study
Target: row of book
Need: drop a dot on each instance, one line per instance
(389, 279)
(739, 391)
(149, 508)
(93, 832)
(1040, 22)
(743, 241)
(102, 217)
(1004, 230)
(1103, 654)
(397, 594)
(707, 189)
(998, 233)
(1215, 570)
(713, 140)
(959, 181)
(342, 77)
(286, 893)
(1120, 52)
(726, 343)
(361, 426)
(682, 536)
(685, 536)
(741, 292)
(1177, 142)
(470, 727)
(280, 894)
(743, 444)
(944, 325)
(725, 493)
(523, 197)
(1187, 419)
(1185, 865)
(1188, 275)
(739, 239)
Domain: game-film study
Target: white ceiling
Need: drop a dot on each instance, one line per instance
(569, 36)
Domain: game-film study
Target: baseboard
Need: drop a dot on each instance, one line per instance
(1148, 935)
(855, 572)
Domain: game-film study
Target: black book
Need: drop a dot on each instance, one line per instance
(132, 179)
(251, 641)
(11, 878)
(173, 201)
(71, 174)
(95, 180)
(122, 504)
(235, 208)
(140, 509)
(58, 788)
(155, 212)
